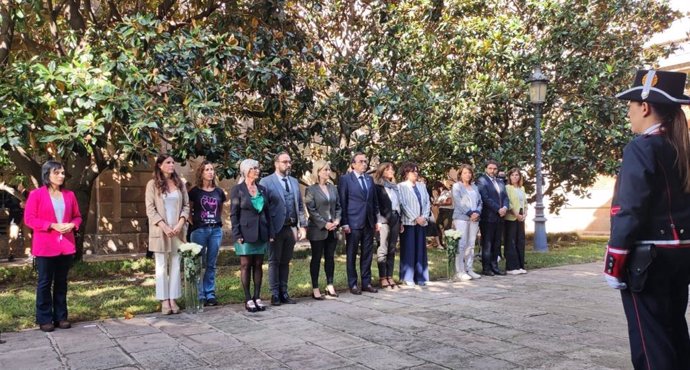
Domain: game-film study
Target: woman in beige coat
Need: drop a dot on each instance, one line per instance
(167, 207)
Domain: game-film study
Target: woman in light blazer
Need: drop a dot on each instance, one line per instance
(52, 212)
(515, 224)
(466, 210)
(167, 208)
(323, 204)
(416, 211)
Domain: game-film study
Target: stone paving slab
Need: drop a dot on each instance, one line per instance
(558, 318)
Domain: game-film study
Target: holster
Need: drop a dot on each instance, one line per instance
(639, 261)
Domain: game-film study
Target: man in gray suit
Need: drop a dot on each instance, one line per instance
(288, 223)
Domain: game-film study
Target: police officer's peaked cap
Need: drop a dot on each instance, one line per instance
(662, 87)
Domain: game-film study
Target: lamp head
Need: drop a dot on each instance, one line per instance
(537, 86)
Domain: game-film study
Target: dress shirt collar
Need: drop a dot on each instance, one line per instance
(653, 129)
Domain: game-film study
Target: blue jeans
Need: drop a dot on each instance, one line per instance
(208, 237)
(51, 290)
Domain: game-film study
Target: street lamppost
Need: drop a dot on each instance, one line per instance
(537, 95)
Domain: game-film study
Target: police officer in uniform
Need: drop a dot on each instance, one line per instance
(648, 254)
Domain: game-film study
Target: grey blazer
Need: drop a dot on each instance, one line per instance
(277, 202)
(462, 203)
(318, 207)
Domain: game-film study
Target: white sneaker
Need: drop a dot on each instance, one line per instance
(513, 272)
(465, 277)
(474, 275)
(410, 283)
(523, 271)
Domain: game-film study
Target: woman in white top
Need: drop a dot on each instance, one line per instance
(416, 211)
(467, 208)
(167, 208)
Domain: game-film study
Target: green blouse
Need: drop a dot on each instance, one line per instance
(258, 202)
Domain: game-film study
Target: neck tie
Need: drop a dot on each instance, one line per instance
(419, 198)
(287, 189)
(361, 182)
(498, 188)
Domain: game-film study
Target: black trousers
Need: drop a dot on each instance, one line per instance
(51, 290)
(491, 244)
(324, 248)
(279, 257)
(362, 241)
(656, 316)
(514, 248)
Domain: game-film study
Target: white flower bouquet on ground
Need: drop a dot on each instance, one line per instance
(191, 262)
(452, 238)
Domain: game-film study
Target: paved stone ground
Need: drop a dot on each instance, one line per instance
(557, 318)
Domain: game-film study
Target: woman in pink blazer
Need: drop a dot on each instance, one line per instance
(52, 212)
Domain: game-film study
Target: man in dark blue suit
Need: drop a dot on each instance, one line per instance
(495, 205)
(360, 207)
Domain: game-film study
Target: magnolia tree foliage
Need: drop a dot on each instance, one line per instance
(443, 82)
(107, 84)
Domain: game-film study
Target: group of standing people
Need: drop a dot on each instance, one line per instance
(498, 210)
(269, 216)
(647, 259)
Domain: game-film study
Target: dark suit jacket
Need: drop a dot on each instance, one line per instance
(247, 223)
(359, 208)
(384, 201)
(491, 200)
(278, 207)
(319, 208)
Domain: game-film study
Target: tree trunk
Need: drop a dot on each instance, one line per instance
(6, 30)
(83, 194)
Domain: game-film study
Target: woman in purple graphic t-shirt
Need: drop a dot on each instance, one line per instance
(206, 200)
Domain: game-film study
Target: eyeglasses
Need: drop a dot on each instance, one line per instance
(255, 168)
(361, 161)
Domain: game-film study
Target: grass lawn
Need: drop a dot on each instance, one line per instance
(99, 290)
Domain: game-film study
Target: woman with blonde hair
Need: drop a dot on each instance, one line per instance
(389, 222)
(323, 204)
(167, 208)
(251, 230)
(206, 200)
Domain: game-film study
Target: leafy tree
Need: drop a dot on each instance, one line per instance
(105, 85)
(443, 82)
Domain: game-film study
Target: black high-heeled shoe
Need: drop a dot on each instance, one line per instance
(259, 304)
(328, 293)
(319, 298)
(250, 306)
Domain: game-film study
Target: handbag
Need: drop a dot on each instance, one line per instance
(640, 259)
